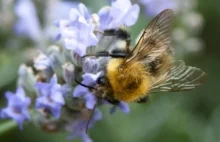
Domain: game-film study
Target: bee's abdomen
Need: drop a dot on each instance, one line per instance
(160, 65)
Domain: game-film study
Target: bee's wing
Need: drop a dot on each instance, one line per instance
(109, 40)
(180, 78)
(154, 40)
(106, 43)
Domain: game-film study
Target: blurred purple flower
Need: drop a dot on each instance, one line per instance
(79, 127)
(71, 30)
(154, 7)
(56, 9)
(51, 97)
(80, 91)
(122, 12)
(124, 107)
(17, 108)
(59, 10)
(27, 22)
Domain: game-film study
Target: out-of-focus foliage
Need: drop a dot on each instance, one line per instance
(191, 116)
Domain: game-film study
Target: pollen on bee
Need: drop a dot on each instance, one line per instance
(129, 83)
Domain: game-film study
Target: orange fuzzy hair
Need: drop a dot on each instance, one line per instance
(129, 83)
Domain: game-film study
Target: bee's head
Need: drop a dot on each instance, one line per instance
(102, 81)
(103, 88)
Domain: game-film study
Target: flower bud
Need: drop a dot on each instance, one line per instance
(77, 60)
(26, 78)
(55, 58)
(90, 65)
(69, 73)
(41, 62)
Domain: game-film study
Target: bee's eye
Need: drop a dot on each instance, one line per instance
(102, 80)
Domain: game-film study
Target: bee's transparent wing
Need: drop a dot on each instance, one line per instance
(155, 39)
(181, 78)
(106, 43)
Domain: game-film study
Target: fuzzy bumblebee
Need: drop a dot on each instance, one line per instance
(131, 74)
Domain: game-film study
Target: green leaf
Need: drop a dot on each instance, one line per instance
(6, 126)
(9, 63)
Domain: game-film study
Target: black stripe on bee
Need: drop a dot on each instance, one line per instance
(120, 33)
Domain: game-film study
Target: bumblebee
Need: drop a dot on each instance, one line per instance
(131, 74)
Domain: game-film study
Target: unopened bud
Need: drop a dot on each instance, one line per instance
(90, 65)
(26, 78)
(69, 73)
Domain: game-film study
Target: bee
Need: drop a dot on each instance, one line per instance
(131, 74)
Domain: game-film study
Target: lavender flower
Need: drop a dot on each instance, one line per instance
(17, 108)
(120, 13)
(70, 104)
(71, 30)
(80, 91)
(51, 97)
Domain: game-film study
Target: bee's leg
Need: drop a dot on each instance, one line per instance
(143, 100)
(114, 102)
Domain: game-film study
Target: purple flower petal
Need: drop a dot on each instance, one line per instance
(124, 107)
(89, 78)
(79, 91)
(84, 11)
(90, 100)
(132, 15)
(51, 96)
(53, 80)
(17, 108)
(120, 13)
(71, 30)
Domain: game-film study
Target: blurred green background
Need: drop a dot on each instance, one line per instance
(192, 116)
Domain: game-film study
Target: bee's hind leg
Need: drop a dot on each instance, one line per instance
(143, 100)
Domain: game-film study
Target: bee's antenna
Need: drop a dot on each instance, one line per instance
(89, 87)
(90, 117)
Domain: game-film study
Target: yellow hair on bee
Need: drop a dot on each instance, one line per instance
(129, 83)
